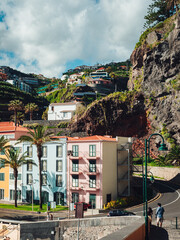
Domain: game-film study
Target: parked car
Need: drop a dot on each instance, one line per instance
(117, 212)
(85, 205)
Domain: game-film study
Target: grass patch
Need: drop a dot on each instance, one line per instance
(29, 207)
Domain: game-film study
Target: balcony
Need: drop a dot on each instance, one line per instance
(76, 173)
(75, 188)
(97, 188)
(93, 158)
(93, 172)
(75, 158)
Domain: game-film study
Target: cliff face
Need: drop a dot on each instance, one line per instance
(119, 114)
(156, 71)
(152, 104)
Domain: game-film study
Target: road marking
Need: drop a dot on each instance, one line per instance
(164, 205)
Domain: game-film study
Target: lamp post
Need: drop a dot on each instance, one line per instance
(147, 153)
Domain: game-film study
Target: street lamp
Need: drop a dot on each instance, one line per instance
(147, 153)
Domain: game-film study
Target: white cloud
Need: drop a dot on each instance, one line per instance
(52, 32)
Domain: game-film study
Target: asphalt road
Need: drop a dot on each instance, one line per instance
(169, 198)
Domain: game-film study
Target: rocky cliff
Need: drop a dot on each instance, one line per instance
(156, 72)
(152, 102)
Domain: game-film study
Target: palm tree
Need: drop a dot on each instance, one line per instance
(15, 105)
(174, 155)
(31, 107)
(3, 142)
(162, 160)
(38, 136)
(15, 160)
(19, 118)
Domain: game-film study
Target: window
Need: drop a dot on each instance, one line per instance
(75, 149)
(2, 176)
(12, 176)
(92, 166)
(65, 114)
(12, 195)
(92, 150)
(29, 178)
(92, 181)
(59, 151)
(29, 151)
(44, 179)
(75, 180)
(58, 180)
(75, 166)
(44, 151)
(58, 165)
(44, 165)
(1, 193)
(29, 167)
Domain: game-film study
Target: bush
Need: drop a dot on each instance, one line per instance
(63, 124)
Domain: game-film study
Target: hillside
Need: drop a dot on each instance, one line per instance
(8, 93)
(152, 103)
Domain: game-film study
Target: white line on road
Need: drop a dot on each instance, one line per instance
(164, 205)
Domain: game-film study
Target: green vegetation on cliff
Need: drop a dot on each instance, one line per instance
(8, 92)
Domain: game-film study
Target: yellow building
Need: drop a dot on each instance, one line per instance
(10, 132)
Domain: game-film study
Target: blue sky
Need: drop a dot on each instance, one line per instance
(52, 36)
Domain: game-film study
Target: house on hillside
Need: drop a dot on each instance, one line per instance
(21, 85)
(75, 78)
(98, 169)
(62, 111)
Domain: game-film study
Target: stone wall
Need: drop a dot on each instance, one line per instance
(163, 172)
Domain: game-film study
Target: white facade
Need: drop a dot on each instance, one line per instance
(62, 111)
(53, 173)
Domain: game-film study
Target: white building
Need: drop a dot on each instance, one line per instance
(62, 111)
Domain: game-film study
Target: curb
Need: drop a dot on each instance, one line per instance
(158, 195)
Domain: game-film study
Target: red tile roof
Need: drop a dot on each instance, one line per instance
(10, 127)
(90, 138)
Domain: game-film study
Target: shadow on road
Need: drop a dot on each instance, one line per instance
(158, 233)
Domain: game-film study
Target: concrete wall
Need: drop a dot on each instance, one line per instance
(39, 230)
(162, 172)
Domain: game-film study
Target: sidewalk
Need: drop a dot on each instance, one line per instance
(158, 233)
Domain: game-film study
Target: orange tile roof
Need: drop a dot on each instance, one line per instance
(10, 127)
(92, 138)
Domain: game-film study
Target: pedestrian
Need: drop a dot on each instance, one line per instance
(159, 214)
(150, 213)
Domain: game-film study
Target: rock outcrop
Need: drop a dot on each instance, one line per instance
(157, 63)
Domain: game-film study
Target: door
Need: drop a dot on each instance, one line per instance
(75, 197)
(59, 198)
(92, 200)
(45, 197)
(108, 198)
(29, 196)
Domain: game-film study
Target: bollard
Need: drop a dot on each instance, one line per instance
(176, 223)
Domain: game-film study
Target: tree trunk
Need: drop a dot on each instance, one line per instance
(31, 114)
(15, 186)
(15, 117)
(39, 153)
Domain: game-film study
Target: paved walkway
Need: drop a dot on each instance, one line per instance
(167, 232)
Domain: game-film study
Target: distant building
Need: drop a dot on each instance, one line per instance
(30, 81)
(62, 111)
(98, 169)
(21, 85)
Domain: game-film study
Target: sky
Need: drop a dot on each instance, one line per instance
(51, 36)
